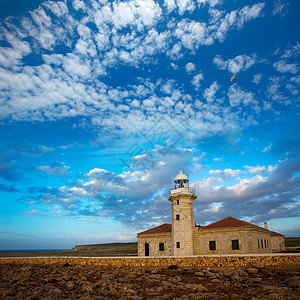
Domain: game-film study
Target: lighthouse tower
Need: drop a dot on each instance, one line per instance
(183, 220)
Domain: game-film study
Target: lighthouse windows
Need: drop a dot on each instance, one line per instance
(177, 244)
(177, 202)
(177, 217)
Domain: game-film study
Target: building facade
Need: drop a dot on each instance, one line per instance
(183, 237)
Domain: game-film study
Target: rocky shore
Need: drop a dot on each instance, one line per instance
(19, 281)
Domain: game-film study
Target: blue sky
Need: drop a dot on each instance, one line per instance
(102, 102)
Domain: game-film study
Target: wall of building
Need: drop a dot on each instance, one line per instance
(153, 240)
(278, 244)
(247, 240)
(261, 239)
(194, 261)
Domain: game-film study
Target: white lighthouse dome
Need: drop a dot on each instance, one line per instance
(181, 176)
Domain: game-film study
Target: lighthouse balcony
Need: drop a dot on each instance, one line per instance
(182, 190)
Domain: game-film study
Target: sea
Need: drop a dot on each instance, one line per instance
(34, 250)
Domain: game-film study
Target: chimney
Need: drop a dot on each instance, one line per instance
(265, 225)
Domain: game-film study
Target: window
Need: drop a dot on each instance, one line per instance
(258, 244)
(177, 244)
(265, 243)
(235, 244)
(212, 245)
(177, 202)
(262, 244)
(177, 217)
(161, 247)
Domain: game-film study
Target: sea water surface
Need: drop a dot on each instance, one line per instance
(33, 250)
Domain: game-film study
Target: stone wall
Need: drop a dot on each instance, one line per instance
(191, 261)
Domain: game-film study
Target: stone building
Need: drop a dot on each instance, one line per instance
(277, 242)
(184, 237)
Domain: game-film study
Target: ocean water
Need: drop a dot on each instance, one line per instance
(33, 250)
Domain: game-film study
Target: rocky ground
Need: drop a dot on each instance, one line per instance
(102, 282)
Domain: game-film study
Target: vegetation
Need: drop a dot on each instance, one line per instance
(292, 241)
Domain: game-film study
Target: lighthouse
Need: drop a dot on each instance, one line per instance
(183, 220)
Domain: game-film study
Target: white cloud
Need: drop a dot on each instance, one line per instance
(227, 173)
(197, 81)
(280, 8)
(257, 78)
(139, 13)
(283, 67)
(185, 5)
(268, 148)
(237, 19)
(296, 79)
(190, 67)
(210, 93)
(237, 97)
(292, 51)
(192, 34)
(256, 170)
(59, 169)
(170, 4)
(248, 13)
(33, 212)
(235, 65)
(79, 4)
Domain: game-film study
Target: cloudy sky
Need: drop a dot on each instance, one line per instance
(102, 102)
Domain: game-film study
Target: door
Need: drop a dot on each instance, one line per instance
(146, 249)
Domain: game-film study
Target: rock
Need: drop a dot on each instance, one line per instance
(167, 284)
(172, 267)
(216, 281)
(252, 271)
(236, 278)
(54, 292)
(257, 265)
(200, 274)
(227, 273)
(86, 288)
(70, 285)
(132, 275)
(210, 274)
(293, 282)
(66, 265)
(200, 288)
(243, 274)
(8, 292)
(131, 291)
(256, 279)
(273, 296)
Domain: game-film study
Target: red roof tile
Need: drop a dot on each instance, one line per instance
(159, 229)
(228, 222)
(273, 233)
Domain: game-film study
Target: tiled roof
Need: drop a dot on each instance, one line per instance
(228, 222)
(159, 229)
(273, 233)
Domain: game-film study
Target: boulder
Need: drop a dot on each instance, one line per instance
(252, 271)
